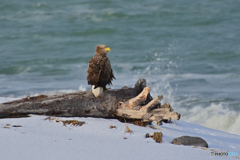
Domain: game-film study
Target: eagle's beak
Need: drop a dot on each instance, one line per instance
(107, 49)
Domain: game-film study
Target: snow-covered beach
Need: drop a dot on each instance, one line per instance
(37, 138)
(188, 51)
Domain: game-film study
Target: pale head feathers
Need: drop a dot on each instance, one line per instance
(102, 49)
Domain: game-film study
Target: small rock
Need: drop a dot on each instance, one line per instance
(157, 136)
(190, 141)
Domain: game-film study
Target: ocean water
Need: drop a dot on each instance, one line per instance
(189, 51)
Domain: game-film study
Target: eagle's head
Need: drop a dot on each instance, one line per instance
(102, 49)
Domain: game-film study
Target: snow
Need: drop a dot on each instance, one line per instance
(42, 139)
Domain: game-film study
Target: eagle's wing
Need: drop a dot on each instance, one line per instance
(93, 72)
(107, 73)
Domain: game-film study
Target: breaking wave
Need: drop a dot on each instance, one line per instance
(214, 116)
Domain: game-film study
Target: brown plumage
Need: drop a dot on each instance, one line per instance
(100, 71)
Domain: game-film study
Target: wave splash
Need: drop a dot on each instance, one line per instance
(214, 116)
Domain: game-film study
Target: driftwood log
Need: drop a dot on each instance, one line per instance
(127, 103)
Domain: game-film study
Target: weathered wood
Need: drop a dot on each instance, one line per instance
(129, 103)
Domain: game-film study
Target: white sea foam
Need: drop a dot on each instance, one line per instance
(82, 88)
(7, 99)
(39, 4)
(215, 116)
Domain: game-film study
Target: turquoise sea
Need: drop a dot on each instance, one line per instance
(189, 51)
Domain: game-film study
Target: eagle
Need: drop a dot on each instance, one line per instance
(100, 72)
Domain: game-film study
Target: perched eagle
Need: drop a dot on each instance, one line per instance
(100, 72)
